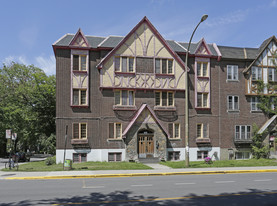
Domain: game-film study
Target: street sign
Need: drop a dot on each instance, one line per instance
(8, 134)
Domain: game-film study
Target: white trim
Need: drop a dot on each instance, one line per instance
(92, 154)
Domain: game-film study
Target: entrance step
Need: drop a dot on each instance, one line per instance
(149, 160)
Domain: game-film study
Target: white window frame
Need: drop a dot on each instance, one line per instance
(203, 94)
(203, 155)
(272, 74)
(203, 133)
(233, 105)
(233, 71)
(200, 69)
(254, 104)
(243, 155)
(160, 60)
(119, 94)
(80, 56)
(128, 66)
(256, 73)
(243, 133)
(80, 97)
(158, 95)
(79, 130)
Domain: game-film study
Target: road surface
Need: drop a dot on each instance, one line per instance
(224, 189)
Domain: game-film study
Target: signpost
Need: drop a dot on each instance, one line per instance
(11, 137)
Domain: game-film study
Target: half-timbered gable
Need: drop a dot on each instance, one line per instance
(142, 60)
(263, 70)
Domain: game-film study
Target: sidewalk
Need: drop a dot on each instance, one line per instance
(157, 171)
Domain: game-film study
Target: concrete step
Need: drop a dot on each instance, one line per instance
(149, 160)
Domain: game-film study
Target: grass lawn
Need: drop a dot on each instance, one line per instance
(224, 163)
(41, 166)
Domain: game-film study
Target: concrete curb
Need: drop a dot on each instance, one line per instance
(140, 174)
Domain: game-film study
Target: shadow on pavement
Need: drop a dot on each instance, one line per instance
(123, 198)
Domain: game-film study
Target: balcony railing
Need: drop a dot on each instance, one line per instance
(243, 139)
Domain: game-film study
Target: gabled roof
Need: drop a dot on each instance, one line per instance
(199, 44)
(143, 107)
(267, 124)
(261, 49)
(79, 34)
(158, 35)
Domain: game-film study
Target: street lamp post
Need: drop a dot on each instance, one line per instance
(204, 17)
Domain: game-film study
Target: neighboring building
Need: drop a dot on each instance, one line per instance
(123, 98)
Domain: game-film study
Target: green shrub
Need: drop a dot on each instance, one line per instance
(50, 161)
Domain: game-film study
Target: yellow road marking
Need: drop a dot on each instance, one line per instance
(162, 199)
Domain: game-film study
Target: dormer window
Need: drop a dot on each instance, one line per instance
(79, 62)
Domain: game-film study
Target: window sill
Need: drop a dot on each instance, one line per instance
(79, 141)
(233, 111)
(204, 78)
(256, 111)
(80, 72)
(125, 73)
(161, 108)
(125, 107)
(203, 140)
(175, 139)
(115, 139)
(165, 75)
(79, 106)
(232, 80)
(202, 108)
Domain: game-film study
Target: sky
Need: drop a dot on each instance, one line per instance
(30, 27)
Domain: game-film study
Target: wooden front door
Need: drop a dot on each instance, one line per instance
(145, 146)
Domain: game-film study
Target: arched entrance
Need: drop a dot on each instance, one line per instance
(145, 143)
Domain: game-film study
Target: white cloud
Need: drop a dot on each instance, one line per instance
(19, 59)
(47, 64)
(273, 3)
(231, 18)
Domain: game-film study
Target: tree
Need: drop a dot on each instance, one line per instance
(27, 104)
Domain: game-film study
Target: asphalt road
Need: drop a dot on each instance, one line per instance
(225, 189)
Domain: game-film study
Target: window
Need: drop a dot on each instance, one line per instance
(164, 99)
(242, 155)
(79, 97)
(273, 103)
(202, 100)
(115, 131)
(124, 64)
(124, 97)
(202, 69)
(79, 62)
(256, 73)
(255, 101)
(202, 131)
(163, 66)
(79, 157)
(174, 130)
(202, 155)
(114, 156)
(272, 75)
(242, 132)
(232, 72)
(174, 155)
(233, 103)
(79, 130)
